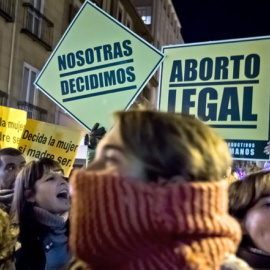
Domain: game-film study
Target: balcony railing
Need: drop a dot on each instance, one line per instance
(7, 9)
(33, 112)
(3, 98)
(37, 26)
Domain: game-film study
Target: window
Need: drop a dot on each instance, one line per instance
(3, 98)
(29, 92)
(36, 25)
(7, 9)
(167, 38)
(99, 3)
(73, 10)
(34, 19)
(120, 13)
(30, 95)
(128, 21)
(107, 6)
(77, 4)
(145, 13)
(158, 45)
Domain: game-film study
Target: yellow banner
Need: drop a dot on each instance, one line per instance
(12, 122)
(40, 139)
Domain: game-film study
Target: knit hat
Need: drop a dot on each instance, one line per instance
(125, 224)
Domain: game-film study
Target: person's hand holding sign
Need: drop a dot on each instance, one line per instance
(267, 149)
(91, 140)
(96, 134)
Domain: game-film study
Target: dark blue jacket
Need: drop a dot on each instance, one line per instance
(40, 249)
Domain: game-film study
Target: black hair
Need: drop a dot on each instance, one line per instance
(9, 151)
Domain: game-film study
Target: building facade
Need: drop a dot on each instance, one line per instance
(27, 37)
(162, 21)
(29, 31)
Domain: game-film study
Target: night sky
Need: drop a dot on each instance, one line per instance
(210, 20)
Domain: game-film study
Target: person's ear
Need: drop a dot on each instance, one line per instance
(29, 196)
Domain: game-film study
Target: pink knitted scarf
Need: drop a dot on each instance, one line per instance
(127, 225)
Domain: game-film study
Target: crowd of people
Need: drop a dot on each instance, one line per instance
(158, 195)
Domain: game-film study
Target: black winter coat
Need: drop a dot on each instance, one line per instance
(31, 255)
(252, 255)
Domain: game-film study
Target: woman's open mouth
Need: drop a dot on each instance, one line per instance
(64, 194)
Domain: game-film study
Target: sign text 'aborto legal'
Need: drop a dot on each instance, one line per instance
(208, 69)
(227, 85)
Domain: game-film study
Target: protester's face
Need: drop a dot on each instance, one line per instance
(11, 165)
(112, 156)
(52, 193)
(257, 224)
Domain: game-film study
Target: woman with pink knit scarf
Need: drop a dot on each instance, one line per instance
(154, 197)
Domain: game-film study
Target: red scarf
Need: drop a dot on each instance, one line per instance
(120, 224)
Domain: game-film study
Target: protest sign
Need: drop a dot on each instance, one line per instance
(227, 85)
(44, 140)
(12, 122)
(98, 67)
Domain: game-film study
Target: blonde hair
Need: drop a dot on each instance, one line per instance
(8, 238)
(174, 145)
